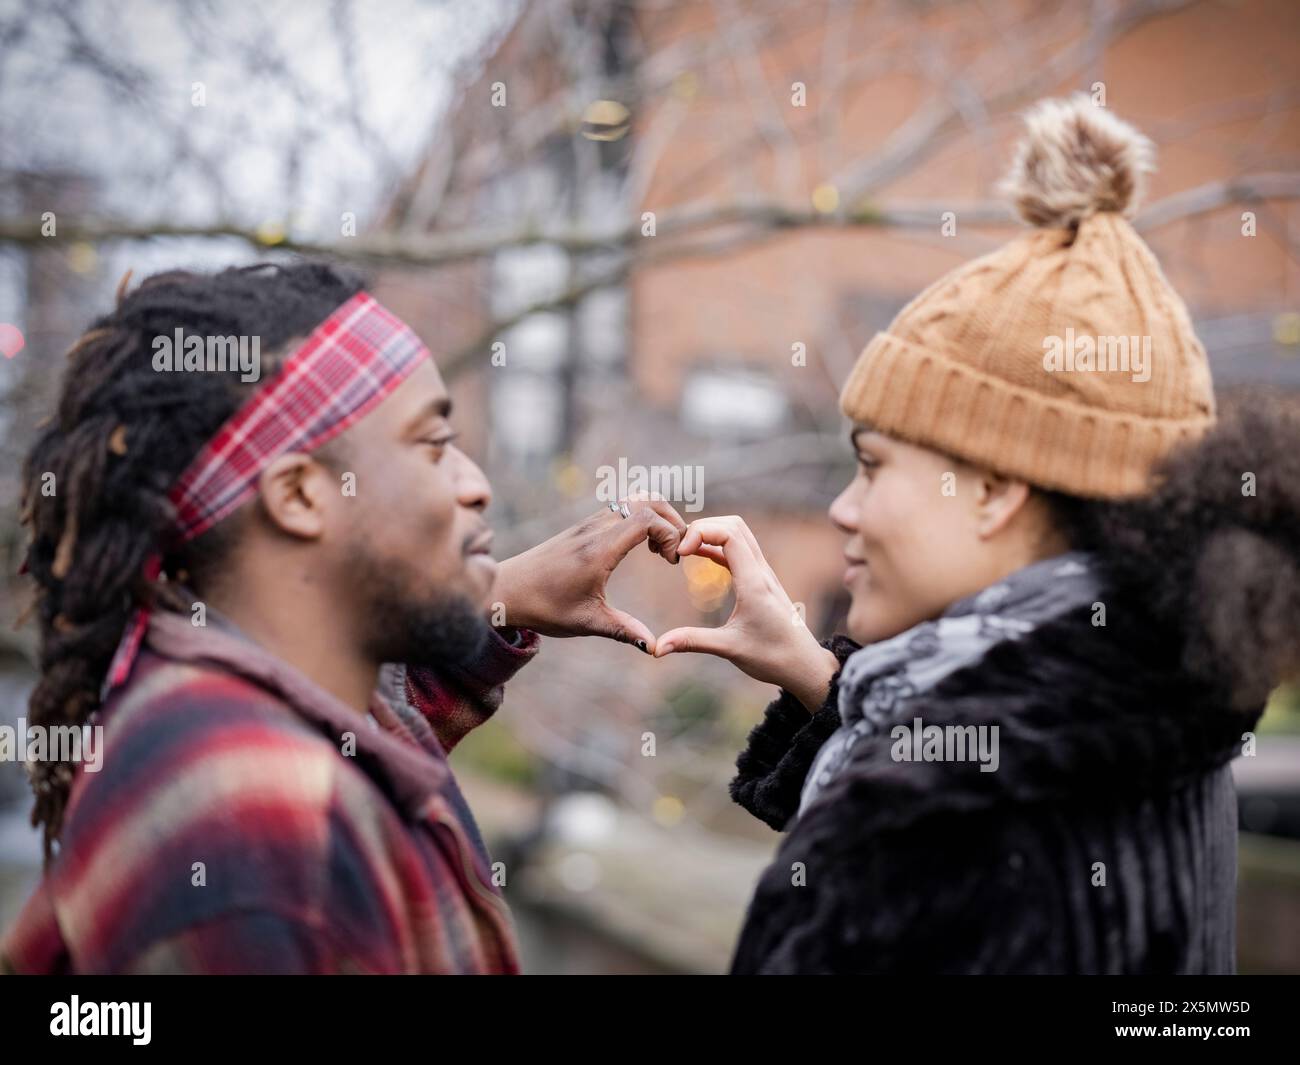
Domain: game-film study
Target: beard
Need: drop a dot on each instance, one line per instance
(435, 631)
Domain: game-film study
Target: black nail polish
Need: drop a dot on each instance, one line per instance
(641, 644)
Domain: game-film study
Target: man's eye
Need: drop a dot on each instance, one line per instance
(868, 464)
(440, 443)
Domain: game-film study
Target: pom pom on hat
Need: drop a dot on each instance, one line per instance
(1076, 159)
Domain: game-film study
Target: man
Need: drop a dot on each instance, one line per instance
(223, 573)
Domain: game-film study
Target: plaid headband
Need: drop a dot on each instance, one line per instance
(342, 371)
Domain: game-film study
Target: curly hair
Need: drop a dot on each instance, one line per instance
(1213, 552)
(121, 435)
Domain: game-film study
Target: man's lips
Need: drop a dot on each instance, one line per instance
(481, 544)
(478, 556)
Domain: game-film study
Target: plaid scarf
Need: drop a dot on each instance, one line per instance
(342, 371)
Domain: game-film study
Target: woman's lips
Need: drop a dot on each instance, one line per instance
(855, 567)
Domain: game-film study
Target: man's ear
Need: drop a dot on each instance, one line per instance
(998, 500)
(294, 493)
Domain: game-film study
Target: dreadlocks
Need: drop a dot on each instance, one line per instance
(95, 484)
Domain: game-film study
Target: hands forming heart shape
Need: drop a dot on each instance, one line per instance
(558, 589)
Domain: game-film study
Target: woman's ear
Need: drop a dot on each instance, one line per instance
(293, 491)
(998, 500)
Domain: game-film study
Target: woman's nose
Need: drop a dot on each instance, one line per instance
(844, 511)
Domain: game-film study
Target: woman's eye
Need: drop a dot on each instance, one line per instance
(868, 464)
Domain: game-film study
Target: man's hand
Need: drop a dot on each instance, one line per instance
(558, 587)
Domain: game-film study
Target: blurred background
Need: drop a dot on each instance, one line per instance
(648, 231)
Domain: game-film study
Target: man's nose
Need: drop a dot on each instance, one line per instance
(472, 487)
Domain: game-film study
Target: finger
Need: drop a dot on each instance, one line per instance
(645, 523)
(664, 538)
(742, 527)
(713, 554)
(659, 542)
(703, 550)
(660, 506)
(738, 554)
(615, 624)
(735, 527)
(718, 642)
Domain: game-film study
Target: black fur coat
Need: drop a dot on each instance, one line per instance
(1105, 842)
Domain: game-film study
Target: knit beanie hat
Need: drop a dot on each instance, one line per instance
(1064, 358)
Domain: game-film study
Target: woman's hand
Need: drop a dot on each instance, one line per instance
(765, 636)
(558, 587)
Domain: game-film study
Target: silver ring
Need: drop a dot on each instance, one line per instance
(621, 508)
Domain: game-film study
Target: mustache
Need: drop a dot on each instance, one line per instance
(476, 540)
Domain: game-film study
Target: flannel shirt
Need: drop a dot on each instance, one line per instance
(244, 820)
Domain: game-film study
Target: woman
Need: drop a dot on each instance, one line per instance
(1072, 590)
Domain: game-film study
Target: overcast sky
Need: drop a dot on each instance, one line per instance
(278, 145)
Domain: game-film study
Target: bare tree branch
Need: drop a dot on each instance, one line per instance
(443, 249)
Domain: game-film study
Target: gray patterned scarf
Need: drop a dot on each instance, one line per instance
(879, 681)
